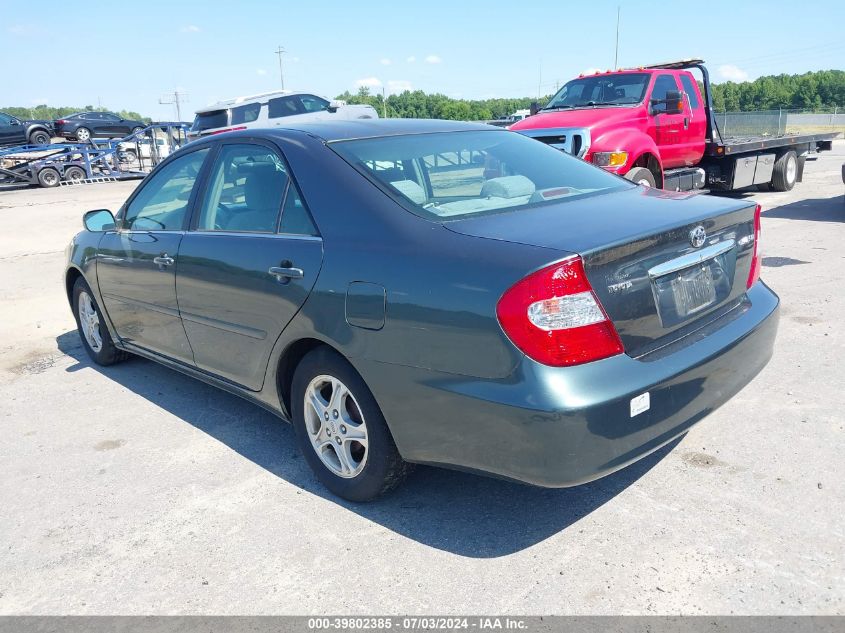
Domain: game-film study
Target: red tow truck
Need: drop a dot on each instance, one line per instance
(654, 126)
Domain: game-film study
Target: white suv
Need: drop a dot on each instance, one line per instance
(272, 109)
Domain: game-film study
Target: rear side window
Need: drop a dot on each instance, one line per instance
(284, 106)
(310, 103)
(692, 93)
(209, 120)
(245, 113)
(247, 185)
(295, 217)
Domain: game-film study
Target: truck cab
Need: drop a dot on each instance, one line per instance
(655, 125)
(639, 122)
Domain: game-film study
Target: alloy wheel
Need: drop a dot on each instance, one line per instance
(336, 426)
(89, 322)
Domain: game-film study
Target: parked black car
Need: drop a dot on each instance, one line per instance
(84, 126)
(14, 131)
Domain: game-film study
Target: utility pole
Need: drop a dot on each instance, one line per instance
(616, 55)
(281, 51)
(175, 98)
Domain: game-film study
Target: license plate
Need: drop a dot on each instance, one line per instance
(693, 290)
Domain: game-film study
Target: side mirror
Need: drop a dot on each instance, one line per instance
(98, 220)
(673, 103)
(534, 108)
(14, 122)
(334, 104)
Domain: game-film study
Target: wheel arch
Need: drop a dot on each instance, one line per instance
(288, 362)
(72, 274)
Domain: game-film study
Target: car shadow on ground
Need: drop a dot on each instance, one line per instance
(458, 512)
(814, 209)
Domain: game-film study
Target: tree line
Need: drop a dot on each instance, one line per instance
(50, 113)
(820, 90)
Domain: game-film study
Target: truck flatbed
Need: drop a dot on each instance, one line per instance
(746, 144)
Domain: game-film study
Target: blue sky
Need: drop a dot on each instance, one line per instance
(128, 57)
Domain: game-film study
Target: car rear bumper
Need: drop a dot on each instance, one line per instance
(559, 427)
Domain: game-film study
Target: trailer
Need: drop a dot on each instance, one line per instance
(656, 127)
(98, 160)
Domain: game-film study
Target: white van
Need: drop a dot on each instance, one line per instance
(271, 109)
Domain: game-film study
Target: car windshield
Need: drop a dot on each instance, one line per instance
(209, 120)
(444, 176)
(608, 89)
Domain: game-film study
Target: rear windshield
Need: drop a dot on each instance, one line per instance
(209, 120)
(453, 175)
(609, 89)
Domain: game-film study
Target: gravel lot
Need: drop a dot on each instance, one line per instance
(133, 489)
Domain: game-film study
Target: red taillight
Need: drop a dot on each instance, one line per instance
(754, 273)
(61, 122)
(556, 319)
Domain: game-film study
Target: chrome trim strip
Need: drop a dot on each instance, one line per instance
(568, 132)
(691, 259)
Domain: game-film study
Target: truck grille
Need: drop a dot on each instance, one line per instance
(574, 141)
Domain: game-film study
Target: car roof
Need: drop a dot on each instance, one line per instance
(371, 128)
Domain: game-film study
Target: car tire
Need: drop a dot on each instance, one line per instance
(785, 172)
(95, 335)
(332, 408)
(641, 176)
(39, 137)
(74, 174)
(135, 130)
(49, 177)
(82, 135)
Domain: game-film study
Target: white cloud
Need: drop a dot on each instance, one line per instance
(433, 59)
(395, 86)
(385, 61)
(18, 29)
(260, 71)
(190, 28)
(591, 71)
(729, 72)
(411, 59)
(368, 82)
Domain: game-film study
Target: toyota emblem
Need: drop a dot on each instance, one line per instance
(697, 236)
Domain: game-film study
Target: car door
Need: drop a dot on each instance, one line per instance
(243, 273)
(666, 128)
(113, 125)
(11, 130)
(136, 264)
(695, 122)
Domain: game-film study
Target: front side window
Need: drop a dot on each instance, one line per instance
(310, 103)
(607, 89)
(245, 190)
(162, 203)
(245, 113)
(453, 175)
(284, 106)
(110, 117)
(5, 119)
(662, 85)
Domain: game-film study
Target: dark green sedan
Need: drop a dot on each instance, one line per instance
(431, 292)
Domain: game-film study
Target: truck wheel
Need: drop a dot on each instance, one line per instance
(48, 177)
(786, 172)
(641, 176)
(39, 137)
(74, 174)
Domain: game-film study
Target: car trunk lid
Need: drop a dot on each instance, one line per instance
(662, 264)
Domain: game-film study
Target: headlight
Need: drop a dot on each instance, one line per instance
(610, 159)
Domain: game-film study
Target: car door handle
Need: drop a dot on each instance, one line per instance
(286, 273)
(164, 260)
